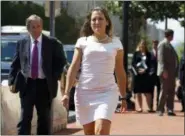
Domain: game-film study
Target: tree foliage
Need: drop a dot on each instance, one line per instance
(180, 49)
(156, 10)
(15, 13)
(139, 11)
(182, 12)
(135, 21)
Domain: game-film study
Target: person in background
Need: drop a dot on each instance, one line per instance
(142, 83)
(167, 71)
(155, 78)
(99, 54)
(181, 82)
(39, 61)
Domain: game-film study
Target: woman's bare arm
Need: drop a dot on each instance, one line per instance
(62, 83)
(73, 69)
(120, 73)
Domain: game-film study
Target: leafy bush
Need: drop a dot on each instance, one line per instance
(16, 12)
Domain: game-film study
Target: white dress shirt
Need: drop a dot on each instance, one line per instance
(39, 45)
(155, 53)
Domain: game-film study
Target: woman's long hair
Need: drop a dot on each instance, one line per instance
(142, 43)
(86, 28)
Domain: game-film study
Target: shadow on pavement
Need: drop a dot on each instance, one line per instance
(182, 115)
(68, 131)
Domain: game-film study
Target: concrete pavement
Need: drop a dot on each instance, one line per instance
(133, 123)
(130, 123)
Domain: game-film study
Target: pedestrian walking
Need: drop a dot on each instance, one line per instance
(142, 83)
(167, 71)
(181, 83)
(100, 54)
(154, 76)
(36, 67)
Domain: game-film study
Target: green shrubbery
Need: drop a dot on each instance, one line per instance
(15, 13)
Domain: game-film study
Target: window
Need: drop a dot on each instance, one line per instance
(8, 50)
(69, 55)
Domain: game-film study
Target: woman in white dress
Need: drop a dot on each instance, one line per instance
(99, 55)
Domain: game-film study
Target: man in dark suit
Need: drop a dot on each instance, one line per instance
(155, 78)
(181, 81)
(40, 60)
(167, 71)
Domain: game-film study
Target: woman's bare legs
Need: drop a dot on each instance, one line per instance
(139, 101)
(102, 127)
(148, 100)
(89, 128)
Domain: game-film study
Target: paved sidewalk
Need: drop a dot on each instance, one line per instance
(132, 123)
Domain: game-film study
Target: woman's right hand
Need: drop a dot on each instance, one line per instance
(141, 70)
(123, 107)
(65, 101)
(165, 74)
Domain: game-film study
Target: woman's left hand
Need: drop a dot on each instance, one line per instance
(123, 107)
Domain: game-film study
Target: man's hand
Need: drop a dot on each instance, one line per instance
(65, 101)
(165, 75)
(123, 107)
(178, 83)
(12, 88)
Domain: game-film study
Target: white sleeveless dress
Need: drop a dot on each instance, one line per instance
(96, 94)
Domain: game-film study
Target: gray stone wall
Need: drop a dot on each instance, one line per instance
(10, 113)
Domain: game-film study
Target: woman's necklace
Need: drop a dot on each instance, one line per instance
(100, 40)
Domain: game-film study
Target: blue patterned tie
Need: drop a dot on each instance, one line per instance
(34, 66)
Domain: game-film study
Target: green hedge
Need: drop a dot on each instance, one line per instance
(15, 13)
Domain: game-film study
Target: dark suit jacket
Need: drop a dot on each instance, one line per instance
(137, 57)
(167, 59)
(181, 71)
(53, 61)
(153, 63)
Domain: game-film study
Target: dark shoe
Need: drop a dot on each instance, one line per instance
(151, 111)
(171, 114)
(117, 111)
(160, 113)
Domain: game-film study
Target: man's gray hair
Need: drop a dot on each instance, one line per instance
(31, 18)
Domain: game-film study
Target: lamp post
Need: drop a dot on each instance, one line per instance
(52, 18)
(125, 33)
(166, 22)
(52, 33)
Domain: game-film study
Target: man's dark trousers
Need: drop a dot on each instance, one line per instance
(156, 81)
(183, 99)
(35, 94)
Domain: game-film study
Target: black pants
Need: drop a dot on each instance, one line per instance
(71, 99)
(156, 81)
(36, 94)
(183, 99)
